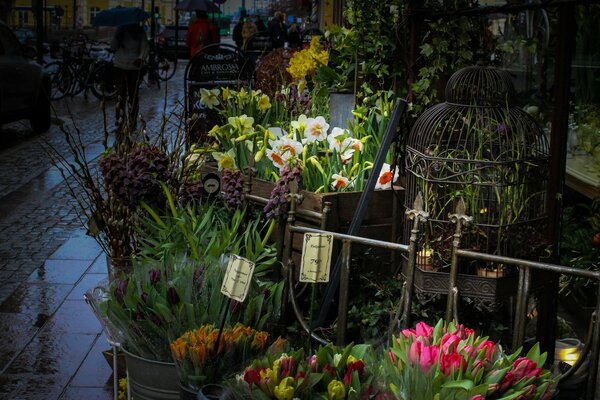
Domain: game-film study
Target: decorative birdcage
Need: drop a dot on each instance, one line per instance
(478, 147)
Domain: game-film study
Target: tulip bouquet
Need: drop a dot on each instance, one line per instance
(331, 373)
(449, 361)
(200, 361)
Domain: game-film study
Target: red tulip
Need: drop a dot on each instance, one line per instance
(252, 376)
(422, 329)
(524, 367)
(462, 331)
(452, 362)
(477, 397)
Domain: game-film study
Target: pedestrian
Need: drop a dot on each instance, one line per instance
(131, 47)
(260, 25)
(202, 32)
(237, 32)
(277, 30)
(248, 30)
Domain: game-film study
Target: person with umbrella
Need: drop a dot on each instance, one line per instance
(131, 47)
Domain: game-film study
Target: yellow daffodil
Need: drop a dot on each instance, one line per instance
(242, 97)
(210, 98)
(300, 124)
(264, 103)
(243, 124)
(336, 390)
(225, 94)
(225, 160)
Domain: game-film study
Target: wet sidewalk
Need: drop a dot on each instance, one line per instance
(51, 343)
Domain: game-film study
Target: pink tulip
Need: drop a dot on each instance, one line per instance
(452, 362)
(392, 357)
(462, 331)
(422, 329)
(423, 355)
(449, 342)
(489, 347)
(312, 363)
(469, 351)
(525, 368)
(477, 397)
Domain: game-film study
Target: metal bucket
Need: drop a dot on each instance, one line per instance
(151, 380)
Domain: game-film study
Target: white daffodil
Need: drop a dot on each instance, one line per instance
(210, 98)
(347, 155)
(386, 177)
(283, 150)
(300, 124)
(225, 160)
(277, 132)
(316, 129)
(339, 139)
(340, 182)
(357, 145)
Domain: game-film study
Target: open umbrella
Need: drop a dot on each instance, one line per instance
(118, 16)
(201, 5)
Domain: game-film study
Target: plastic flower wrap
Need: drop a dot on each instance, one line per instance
(331, 373)
(200, 361)
(451, 361)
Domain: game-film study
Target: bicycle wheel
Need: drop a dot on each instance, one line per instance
(165, 69)
(103, 84)
(61, 79)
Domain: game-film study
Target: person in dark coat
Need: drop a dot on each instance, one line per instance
(237, 30)
(277, 30)
(260, 25)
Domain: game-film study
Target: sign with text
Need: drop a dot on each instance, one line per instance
(316, 257)
(237, 278)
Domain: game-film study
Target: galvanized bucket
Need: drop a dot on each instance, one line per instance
(151, 380)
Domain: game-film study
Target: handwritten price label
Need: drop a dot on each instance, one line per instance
(237, 278)
(316, 257)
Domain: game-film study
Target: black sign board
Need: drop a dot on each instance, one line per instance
(216, 66)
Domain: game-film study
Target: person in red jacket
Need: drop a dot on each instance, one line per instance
(201, 32)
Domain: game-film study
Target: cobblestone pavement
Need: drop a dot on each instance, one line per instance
(50, 341)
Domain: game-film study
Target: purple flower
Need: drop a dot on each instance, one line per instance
(199, 278)
(120, 290)
(277, 206)
(172, 295)
(144, 297)
(154, 276)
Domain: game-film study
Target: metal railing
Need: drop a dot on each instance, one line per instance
(402, 316)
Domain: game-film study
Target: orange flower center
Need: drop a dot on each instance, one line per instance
(386, 177)
(340, 183)
(277, 159)
(290, 148)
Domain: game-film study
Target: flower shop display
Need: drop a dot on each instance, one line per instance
(199, 360)
(330, 373)
(450, 361)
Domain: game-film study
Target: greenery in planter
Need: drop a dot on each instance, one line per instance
(176, 279)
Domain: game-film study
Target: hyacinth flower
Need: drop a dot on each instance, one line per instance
(450, 360)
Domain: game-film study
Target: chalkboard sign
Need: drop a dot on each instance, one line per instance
(219, 62)
(214, 67)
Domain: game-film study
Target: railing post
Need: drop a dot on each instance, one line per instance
(293, 197)
(418, 215)
(342, 321)
(460, 219)
(247, 190)
(592, 384)
(521, 307)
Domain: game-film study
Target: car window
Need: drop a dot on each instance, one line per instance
(8, 44)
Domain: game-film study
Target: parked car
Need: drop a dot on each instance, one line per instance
(24, 87)
(166, 40)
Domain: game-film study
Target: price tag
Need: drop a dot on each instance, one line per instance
(237, 278)
(316, 257)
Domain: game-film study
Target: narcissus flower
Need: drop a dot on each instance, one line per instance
(264, 103)
(386, 177)
(340, 182)
(316, 129)
(210, 97)
(225, 160)
(283, 150)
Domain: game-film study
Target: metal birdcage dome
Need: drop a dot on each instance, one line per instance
(478, 147)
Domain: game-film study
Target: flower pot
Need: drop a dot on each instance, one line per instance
(185, 393)
(341, 105)
(425, 260)
(150, 379)
(211, 391)
(496, 271)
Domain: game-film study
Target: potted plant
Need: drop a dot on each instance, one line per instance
(452, 361)
(175, 286)
(207, 355)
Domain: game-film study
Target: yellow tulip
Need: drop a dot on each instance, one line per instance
(336, 390)
(285, 389)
